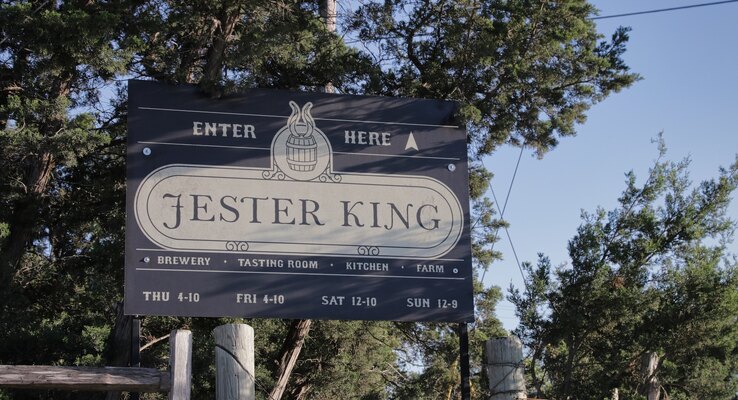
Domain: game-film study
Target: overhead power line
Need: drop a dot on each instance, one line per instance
(502, 214)
(714, 3)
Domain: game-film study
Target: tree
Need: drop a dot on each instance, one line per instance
(502, 61)
(523, 72)
(48, 70)
(649, 277)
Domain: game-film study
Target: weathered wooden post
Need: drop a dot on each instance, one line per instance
(234, 362)
(180, 364)
(505, 368)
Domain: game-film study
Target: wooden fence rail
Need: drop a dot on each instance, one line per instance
(84, 378)
(176, 381)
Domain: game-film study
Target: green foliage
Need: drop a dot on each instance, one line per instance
(523, 73)
(435, 347)
(358, 356)
(282, 46)
(652, 275)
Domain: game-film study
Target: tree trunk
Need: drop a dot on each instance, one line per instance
(454, 367)
(537, 383)
(224, 28)
(652, 389)
(119, 354)
(569, 368)
(24, 217)
(299, 329)
(38, 172)
(328, 13)
(303, 391)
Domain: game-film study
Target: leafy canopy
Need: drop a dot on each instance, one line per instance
(524, 72)
(651, 276)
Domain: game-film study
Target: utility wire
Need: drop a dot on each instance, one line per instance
(714, 3)
(509, 238)
(502, 213)
(515, 173)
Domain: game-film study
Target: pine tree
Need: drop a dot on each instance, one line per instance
(524, 73)
(652, 276)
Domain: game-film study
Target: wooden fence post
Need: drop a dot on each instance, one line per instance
(505, 368)
(234, 362)
(180, 364)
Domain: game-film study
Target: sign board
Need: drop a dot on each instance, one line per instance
(296, 205)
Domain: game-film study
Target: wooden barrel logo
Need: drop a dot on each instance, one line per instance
(302, 150)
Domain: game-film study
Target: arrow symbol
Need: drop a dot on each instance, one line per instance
(411, 142)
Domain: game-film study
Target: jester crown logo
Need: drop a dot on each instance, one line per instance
(301, 151)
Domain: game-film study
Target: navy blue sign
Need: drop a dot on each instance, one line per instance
(296, 205)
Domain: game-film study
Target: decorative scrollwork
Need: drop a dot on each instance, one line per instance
(276, 173)
(368, 250)
(328, 176)
(237, 246)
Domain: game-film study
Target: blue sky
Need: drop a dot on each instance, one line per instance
(689, 63)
